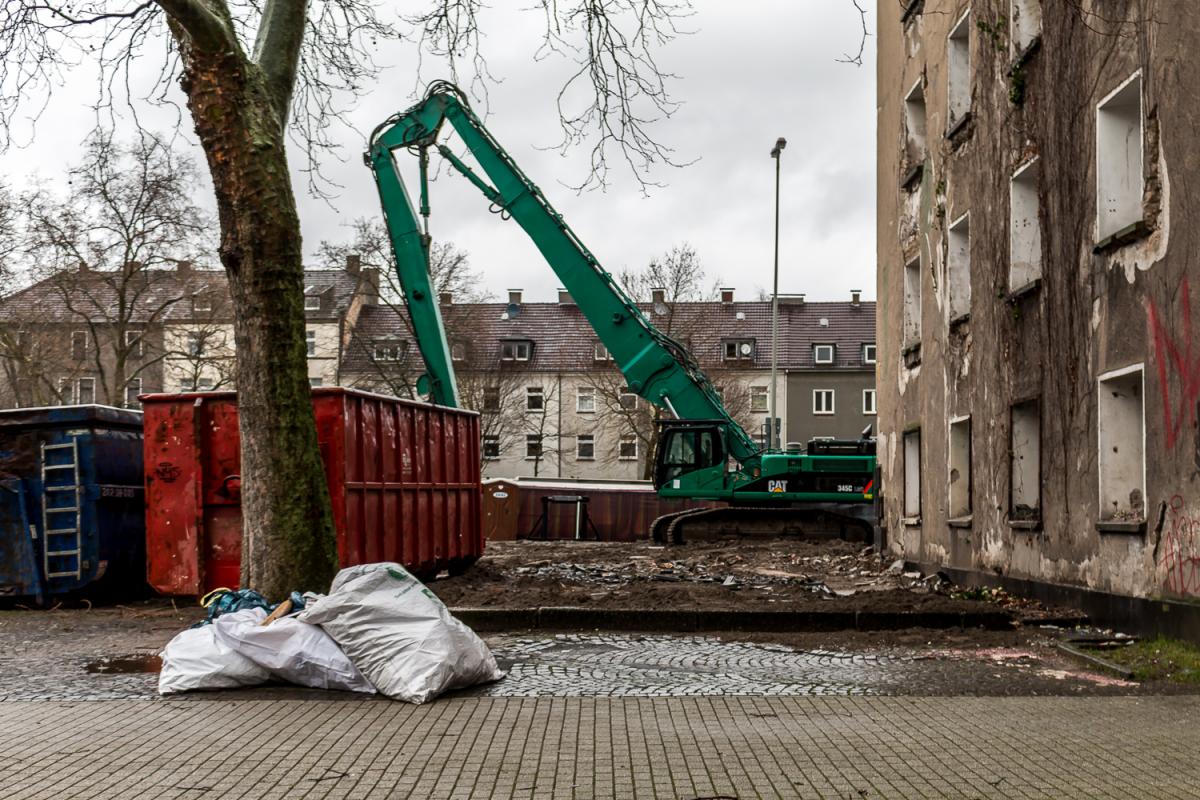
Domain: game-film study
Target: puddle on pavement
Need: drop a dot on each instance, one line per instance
(125, 665)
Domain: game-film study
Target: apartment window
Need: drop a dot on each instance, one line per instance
(585, 400)
(1121, 422)
(1119, 180)
(958, 76)
(868, 353)
(204, 384)
(515, 351)
(585, 447)
(86, 391)
(912, 475)
(133, 343)
(458, 352)
(758, 399)
(1024, 228)
(627, 448)
(201, 302)
(627, 400)
(195, 343)
(388, 351)
(491, 447)
(912, 302)
(600, 353)
(133, 387)
(823, 353)
(535, 398)
(736, 349)
(533, 445)
(491, 398)
(1026, 18)
(79, 340)
(822, 401)
(310, 343)
(315, 382)
(958, 267)
(66, 392)
(914, 124)
(960, 468)
(869, 402)
(1025, 469)
(312, 300)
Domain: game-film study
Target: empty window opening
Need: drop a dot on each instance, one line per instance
(533, 445)
(491, 446)
(912, 302)
(822, 401)
(1024, 229)
(1025, 469)
(869, 402)
(758, 399)
(960, 468)
(1026, 18)
(315, 383)
(627, 448)
(737, 349)
(1119, 180)
(535, 398)
(585, 400)
(958, 76)
(912, 474)
(823, 353)
(914, 125)
(1120, 414)
(958, 267)
(585, 447)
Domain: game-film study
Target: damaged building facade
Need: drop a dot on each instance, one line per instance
(1039, 375)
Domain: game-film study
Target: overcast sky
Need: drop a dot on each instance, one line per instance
(751, 71)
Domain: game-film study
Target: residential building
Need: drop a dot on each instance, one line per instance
(1038, 372)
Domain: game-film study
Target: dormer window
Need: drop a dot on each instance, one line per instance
(389, 351)
(312, 299)
(738, 349)
(516, 350)
(823, 353)
(458, 352)
(868, 353)
(201, 302)
(601, 353)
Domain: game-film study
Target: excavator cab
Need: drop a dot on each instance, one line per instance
(686, 447)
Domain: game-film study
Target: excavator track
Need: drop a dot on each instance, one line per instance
(814, 521)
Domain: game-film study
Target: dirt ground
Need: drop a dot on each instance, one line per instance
(739, 574)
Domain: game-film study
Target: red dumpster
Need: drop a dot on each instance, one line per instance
(403, 480)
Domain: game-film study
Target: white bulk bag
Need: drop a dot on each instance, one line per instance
(197, 659)
(399, 635)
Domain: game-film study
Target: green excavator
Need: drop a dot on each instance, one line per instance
(702, 453)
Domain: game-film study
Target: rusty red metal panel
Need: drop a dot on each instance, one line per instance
(173, 503)
(403, 480)
(619, 512)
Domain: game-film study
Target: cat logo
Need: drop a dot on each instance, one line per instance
(776, 487)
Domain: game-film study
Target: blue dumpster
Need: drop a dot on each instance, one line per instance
(72, 515)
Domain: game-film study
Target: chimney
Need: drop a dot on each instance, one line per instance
(658, 296)
(564, 298)
(514, 296)
(726, 295)
(83, 267)
(353, 263)
(856, 297)
(184, 266)
(130, 267)
(445, 298)
(370, 286)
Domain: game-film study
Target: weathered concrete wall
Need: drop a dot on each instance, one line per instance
(1122, 306)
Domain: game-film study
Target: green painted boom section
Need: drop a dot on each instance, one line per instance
(655, 366)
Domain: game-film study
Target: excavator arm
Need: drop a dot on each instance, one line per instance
(655, 366)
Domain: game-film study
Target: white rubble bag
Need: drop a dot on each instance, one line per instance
(197, 659)
(293, 651)
(399, 635)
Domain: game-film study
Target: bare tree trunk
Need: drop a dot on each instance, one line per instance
(288, 539)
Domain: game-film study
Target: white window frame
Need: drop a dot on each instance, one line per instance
(134, 342)
(530, 393)
(582, 394)
(515, 350)
(869, 409)
(458, 351)
(621, 400)
(90, 383)
(585, 439)
(818, 408)
(736, 344)
(869, 347)
(627, 439)
(310, 342)
(538, 441)
(1108, 181)
(312, 300)
(817, 348)
(600, 352)
(760, 399)
(494, 440)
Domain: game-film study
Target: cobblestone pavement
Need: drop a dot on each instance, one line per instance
(695, 747)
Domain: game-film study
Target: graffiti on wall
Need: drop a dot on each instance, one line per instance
(1179, 550)
(1177, 357)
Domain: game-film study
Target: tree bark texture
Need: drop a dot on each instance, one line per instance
(287, 535)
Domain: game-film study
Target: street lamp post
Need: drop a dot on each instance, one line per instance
(773, 422)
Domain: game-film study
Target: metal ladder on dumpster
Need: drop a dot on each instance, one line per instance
(61, 545)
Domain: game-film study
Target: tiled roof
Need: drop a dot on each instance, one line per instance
(564, 341)
(160, 294)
